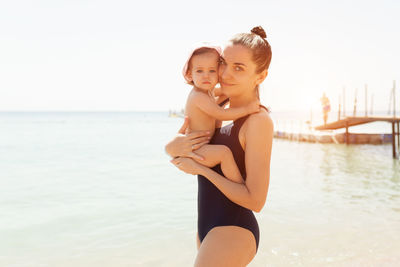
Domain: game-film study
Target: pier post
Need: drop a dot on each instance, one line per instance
(398, 137)
(355, 104)
(393, 140)
(347, 132)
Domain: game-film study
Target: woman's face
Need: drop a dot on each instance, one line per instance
(237, 71)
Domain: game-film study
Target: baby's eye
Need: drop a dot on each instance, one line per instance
(212, 71)
(199, 71)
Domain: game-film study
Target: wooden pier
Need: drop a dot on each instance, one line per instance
(347, 122)
(344, 122)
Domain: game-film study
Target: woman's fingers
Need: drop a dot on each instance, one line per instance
(175, 161)
(187, 165)
(197, 146)
(198, 134)
(195, 156)
(185, 126)
(199, 140)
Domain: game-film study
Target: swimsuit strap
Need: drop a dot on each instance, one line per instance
(224, 102)
(239, 122)
(227, 100)
(267, 109)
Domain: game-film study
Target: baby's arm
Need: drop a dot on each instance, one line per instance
(210, 107)
(220, 99)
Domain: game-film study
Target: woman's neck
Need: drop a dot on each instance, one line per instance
(242, 100)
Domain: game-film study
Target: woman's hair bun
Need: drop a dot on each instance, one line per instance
(259, 31)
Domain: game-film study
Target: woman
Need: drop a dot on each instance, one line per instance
(227, 228)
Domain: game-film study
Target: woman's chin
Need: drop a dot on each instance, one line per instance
(226, 90)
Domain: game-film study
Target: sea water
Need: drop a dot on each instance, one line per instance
(97, 189)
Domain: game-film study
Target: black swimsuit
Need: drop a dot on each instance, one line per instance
(214, 208)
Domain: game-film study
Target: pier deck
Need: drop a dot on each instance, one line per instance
(347, 122)
(353, 121)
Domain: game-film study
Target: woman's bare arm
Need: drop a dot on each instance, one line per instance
(253, 193)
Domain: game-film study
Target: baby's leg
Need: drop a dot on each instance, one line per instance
(215, 154)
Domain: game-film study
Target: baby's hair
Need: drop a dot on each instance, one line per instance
(200, 51)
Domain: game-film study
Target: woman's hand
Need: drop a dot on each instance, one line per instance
(187, 165)
(186, 142)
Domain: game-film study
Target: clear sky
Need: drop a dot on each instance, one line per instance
(128, 55)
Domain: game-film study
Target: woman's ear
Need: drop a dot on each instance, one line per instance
(261, 77)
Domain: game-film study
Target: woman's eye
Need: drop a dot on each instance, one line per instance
(221, 62)
(238, 68)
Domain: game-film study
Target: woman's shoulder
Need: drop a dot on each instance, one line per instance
(260, 120)
(257, 125)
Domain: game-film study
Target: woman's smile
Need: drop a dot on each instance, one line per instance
(226, 84)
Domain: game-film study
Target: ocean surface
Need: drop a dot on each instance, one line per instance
(96, 189)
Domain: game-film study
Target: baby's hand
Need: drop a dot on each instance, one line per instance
(254, 106)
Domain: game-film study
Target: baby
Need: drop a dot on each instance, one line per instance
(201, 71)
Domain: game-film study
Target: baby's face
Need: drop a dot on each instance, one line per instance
(204, 71)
